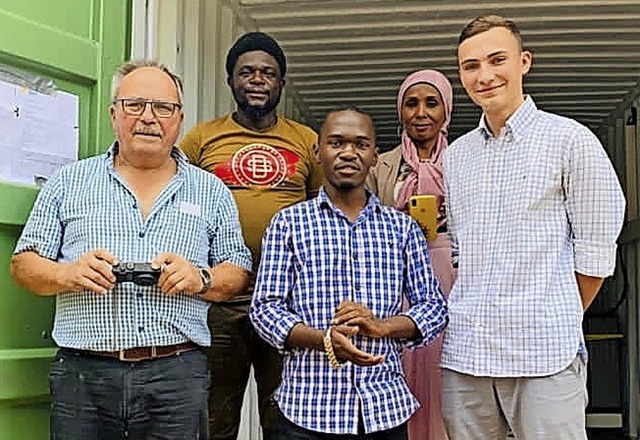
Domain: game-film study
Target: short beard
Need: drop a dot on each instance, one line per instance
(346, 185)
(252, 112)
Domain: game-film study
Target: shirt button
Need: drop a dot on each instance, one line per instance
(141, 234)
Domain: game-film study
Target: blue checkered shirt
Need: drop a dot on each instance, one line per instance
(526, 210)
(313, 258)
(87, 205)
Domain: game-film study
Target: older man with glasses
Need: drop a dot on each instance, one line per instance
(134, 244)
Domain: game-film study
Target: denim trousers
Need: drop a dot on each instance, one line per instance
(287, 430)
(97, 398)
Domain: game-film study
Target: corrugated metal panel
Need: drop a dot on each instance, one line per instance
(586, 66)
(586, 53)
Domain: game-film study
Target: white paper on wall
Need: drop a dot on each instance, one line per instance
(38, 133)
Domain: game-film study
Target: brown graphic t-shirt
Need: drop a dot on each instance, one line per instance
(266, 171)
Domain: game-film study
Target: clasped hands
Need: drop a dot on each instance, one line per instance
(93, 271)
(349, 319)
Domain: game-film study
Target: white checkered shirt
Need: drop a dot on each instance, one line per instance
(87, 205)
(313, 258)
(526, 210)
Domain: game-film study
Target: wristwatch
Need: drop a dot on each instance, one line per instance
(207, 280)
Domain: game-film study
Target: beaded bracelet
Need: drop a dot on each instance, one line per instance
(328, 348)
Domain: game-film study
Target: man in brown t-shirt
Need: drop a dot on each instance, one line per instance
(267, 161)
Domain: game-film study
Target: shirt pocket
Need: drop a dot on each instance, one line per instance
(542, 191)
(542, 211)
(188, 235)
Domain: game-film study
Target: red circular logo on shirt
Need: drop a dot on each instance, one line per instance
(259, 164)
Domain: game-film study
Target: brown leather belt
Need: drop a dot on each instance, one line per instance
(138, 354)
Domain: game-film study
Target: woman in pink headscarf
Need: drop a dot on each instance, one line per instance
(425, 102)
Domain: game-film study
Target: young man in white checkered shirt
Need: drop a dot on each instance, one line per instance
(534, 209)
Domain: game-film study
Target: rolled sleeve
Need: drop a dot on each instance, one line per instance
(594, 259)
(273, 330)
(43, 231)
(427, 306)
(228, 244)
(595, 206)
(269, 312)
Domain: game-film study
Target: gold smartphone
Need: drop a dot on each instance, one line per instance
(424, 210)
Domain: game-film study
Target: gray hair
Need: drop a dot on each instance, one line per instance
(133, 65)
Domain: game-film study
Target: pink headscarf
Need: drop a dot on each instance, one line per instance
(425, 178)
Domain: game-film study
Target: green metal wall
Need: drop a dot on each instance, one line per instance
(78, 44)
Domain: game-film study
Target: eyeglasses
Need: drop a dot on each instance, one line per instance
(136, 107)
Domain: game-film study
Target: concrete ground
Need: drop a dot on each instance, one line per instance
(602, 434)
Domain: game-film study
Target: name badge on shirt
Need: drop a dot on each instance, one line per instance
(190, 208)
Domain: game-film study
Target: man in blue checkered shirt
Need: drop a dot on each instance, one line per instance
(534, 209)
(329, 293)
(130, 362)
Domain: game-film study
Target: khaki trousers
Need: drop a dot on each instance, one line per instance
(534, 408)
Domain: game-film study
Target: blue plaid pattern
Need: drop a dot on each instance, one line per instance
(526, 210)
(313, 258)
(86, 205)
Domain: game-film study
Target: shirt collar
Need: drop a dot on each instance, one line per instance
(324, 202)
(517, 125)
(177, 154)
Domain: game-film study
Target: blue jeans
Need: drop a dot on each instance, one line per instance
(96, 398)
(287, 430)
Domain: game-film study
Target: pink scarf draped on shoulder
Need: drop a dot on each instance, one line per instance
(425, 177)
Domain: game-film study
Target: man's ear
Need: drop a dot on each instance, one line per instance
(526, 58)
(230, 81)
(316, 151)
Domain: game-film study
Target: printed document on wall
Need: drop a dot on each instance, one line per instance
(38, 133)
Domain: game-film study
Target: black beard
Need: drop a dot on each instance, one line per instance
(346, 185)
(253, 112)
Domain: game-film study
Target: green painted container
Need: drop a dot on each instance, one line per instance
(77, 44)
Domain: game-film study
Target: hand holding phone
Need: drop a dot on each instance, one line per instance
(424, 210)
